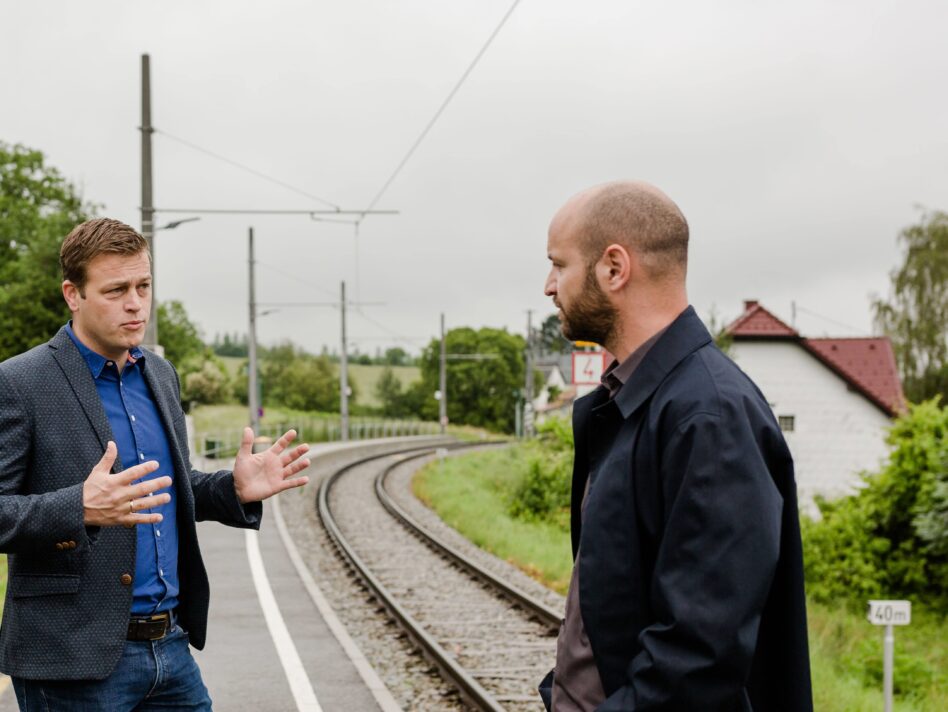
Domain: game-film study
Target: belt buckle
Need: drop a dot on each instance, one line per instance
(165, 619)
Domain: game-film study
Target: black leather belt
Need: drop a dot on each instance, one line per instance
(154, 627)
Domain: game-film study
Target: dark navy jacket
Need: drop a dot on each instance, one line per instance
(691, 574)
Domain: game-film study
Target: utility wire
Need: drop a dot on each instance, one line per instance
(443, 106)
(392, 334)
(243, 167)
(861, 332)
(288, 275)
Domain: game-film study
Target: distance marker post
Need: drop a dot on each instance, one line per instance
(889, 614)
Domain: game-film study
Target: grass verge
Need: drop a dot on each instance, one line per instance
(472, 493)
(469, 493)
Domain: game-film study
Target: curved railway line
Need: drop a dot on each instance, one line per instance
(491, 641)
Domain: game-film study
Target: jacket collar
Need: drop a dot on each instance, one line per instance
(683, 337)
(79, 376)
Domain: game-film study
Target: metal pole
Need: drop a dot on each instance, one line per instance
(344, 374)
(443, 382)
(147, 208)
(888, 660)
(252, 393)
(528, 386)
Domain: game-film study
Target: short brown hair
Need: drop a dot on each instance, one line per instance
(640, 217)
(95, 237)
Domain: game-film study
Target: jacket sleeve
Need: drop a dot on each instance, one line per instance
(713, 569)
(28, 521)
(216, 499)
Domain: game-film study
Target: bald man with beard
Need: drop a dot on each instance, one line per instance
(687, 586)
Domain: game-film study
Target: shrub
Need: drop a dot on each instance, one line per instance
(543, 492)
(888, 539)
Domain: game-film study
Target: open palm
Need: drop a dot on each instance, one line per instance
(260, 475)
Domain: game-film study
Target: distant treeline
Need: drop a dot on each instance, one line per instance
(235, 344)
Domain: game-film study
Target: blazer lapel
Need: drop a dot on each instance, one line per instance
(165, 407)
(77, 374)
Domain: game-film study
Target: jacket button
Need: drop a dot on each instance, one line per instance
(126, 579)
(59, 546)
(72, 544)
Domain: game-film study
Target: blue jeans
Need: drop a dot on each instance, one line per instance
(150, 676)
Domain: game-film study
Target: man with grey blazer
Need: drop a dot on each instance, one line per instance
(98, 501)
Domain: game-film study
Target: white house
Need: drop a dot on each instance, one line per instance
(833, 397)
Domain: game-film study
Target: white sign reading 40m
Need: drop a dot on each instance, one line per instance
(890, 612)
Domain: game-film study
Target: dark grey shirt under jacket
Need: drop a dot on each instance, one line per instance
(576, 683)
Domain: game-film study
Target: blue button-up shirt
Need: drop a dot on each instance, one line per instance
(140, 436)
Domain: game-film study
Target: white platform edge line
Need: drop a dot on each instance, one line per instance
(300, 684)
(380, 692)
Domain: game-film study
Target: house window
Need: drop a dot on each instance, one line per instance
(786, 423)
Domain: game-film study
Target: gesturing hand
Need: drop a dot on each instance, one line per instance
(109, 499)
(264, 474)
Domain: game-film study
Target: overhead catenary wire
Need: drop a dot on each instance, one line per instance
(444, 105)
(243, 167)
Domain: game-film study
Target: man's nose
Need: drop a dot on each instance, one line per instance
(549, 289)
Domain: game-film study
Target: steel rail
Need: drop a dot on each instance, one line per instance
(546, 614)
(469, 688)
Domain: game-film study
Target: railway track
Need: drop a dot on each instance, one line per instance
(489, 640)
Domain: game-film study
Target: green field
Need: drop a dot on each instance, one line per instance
(364, 377)
(471, 493)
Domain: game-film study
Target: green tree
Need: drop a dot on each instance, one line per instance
(178, 335)
(292, 378)
(888, 539)
(718, 328)
(482, 391)
(550, 337)
(396, 356)
(208, 383)
(38, 208)
(915, 317)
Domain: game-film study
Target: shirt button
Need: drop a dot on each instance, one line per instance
(133, 418)
(141, 455)
(157, 532)
(126, 579)
(109, 363)
(160, 572)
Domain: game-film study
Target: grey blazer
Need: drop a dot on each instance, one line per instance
(67, 606)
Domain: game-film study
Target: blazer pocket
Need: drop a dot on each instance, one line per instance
(30, 585)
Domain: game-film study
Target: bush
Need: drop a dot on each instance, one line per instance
(889, 539)
(543, 492)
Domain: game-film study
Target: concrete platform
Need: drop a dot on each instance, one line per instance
(270, 646)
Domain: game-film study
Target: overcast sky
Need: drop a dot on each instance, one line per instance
(798, 139)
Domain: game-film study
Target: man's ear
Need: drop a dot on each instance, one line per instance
(615, 267)
(72, 295)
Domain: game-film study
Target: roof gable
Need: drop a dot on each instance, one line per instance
(866, 364)
(756, 322)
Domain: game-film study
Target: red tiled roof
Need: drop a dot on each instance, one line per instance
(866, 364)
(757, 322)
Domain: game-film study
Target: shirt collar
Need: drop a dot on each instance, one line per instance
(96, 362)
(617, 374)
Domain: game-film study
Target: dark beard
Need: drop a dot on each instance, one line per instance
(590, 317)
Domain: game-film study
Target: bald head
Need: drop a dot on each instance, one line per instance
(633, 214)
